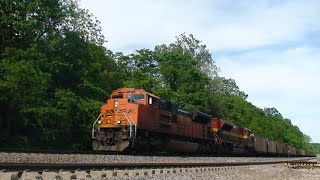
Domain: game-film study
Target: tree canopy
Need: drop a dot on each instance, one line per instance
(55, 74)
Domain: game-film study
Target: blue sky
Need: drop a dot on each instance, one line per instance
(271, 48)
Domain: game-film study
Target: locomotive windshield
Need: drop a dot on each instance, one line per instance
(135, 96)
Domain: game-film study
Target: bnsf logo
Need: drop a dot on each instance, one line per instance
(119, 111)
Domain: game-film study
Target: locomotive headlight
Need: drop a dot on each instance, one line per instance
(99, 122)
(116, 104)
(118, 122)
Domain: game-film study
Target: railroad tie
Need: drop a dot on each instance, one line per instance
(9, 175)
(26, 175)
(66, 175)
(48, 175)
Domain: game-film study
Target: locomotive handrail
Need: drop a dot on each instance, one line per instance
(93, 126)
(131, 122)
(130, 128)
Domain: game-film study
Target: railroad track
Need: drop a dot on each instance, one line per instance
(38, 151)
(303, 164)
(109, 170)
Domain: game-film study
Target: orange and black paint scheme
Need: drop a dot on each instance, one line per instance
(133, 119)
(232, 138)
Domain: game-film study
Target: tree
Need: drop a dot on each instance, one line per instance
(54, 74)
(143, 70)
(272, 112)
(186, 82)
(22, 86)
(23, 24)
(226, 86)
(193, 47)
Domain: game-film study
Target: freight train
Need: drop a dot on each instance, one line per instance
(133, 119)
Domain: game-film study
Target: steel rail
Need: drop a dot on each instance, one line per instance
(89, 166)
(37, 151)
(298, 164)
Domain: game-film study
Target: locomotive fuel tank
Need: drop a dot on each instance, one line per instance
(180, 146)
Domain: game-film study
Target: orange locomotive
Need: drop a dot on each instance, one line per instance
(138, 119)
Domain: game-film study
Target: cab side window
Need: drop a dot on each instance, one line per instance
(153, 101)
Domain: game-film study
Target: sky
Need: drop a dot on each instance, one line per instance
(271, 48)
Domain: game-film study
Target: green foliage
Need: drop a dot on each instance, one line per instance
(198, 52)
(227, 87)
(54, 74)
(143, 71)
(185, 80)
(315, 147)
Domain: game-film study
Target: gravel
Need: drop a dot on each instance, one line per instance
(81, 158)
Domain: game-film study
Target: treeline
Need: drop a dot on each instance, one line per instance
(316, 147)
(55, 74)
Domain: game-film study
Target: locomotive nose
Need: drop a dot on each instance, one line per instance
(114, 131)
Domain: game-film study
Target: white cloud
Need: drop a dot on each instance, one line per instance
(262, 23)
(221, 25)
(275, 71)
